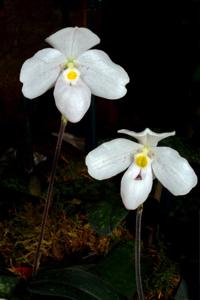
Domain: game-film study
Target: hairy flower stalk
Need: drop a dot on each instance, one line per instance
(36, 262)
(138, 276)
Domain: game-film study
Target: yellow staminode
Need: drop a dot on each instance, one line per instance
(72, 74)
(141, 160)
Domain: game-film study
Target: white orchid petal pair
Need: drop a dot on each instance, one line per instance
(88, 71)
(144, 161)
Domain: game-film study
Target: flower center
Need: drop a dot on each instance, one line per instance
(71, 75)
(141, 160)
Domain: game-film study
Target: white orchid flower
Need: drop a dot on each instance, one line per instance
(75, 71)
(144, 161)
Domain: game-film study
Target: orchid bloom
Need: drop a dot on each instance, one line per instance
(144, 161)
(75, 71)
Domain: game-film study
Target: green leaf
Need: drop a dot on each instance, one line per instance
(55, 288)
(7, 285)
(118, 268)
(182, 293)
(105, 215)
(72, 283)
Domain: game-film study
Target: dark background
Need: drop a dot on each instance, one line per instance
(157, 42)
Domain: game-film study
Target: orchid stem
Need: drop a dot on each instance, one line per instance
(138, 253)
(49, 195)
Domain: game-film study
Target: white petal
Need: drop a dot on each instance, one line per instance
(173, 171)
(72, 101)
(135, 191)
(40, 72)
(147, 137)
(105, 78)
(72, 41)
(110, 158)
